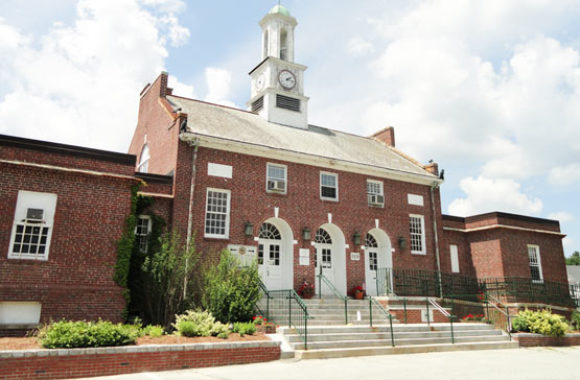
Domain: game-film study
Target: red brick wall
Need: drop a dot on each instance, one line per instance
(107, 364)
(302, 207)
(535, 340)
(463, 252)
(77, 279)
(485, 247)
(161, 128)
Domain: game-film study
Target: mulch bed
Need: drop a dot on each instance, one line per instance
(33, 344)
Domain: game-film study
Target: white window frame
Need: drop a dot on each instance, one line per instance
(539, 264)
(335, 175)
(423, 250)
(143, 236)
(226, 234)
(381, 193)
(37, 200)
(280, 166)
(144, 160)
(454, 257)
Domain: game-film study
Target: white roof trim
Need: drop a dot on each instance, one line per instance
(504, 226)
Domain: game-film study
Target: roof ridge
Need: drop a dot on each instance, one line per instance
(214, 104)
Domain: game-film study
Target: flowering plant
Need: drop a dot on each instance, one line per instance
(472, 317)
(357, 290)
(306, 290)
(258, 320)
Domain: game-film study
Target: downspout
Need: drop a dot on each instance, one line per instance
(434, 216)
(194, 143)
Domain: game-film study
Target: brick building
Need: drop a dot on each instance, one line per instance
(263, 183)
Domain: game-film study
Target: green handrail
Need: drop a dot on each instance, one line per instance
(506, 312)
(321, 278)
(267, 294)
(387, 314)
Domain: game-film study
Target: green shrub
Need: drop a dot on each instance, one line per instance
(68, 334)
(575, 320)
(244, 328)
(231, 291)
(153, 331)
(194, 323)
(199, 323)
(540, 322)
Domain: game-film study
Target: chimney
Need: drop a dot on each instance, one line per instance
(432, 167)
(163, 89)
(386, 136)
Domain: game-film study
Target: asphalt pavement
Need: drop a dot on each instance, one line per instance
(542, 363)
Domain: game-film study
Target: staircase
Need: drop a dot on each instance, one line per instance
(343, 341)
(329, 336)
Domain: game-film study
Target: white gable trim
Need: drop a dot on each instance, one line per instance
(307, 159)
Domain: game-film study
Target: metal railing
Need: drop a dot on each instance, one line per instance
(495, 304)
(327, 282)
(425, 283)
(385, 312)
(445, 313)
(285, 307)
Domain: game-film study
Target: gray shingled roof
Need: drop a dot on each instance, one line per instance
(246, 127)
(573, 274)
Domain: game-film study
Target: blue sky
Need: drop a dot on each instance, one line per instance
(490, 90)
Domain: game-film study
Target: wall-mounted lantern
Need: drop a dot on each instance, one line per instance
(402, 243)
(356, 238)
(249, 229)
(306, 233)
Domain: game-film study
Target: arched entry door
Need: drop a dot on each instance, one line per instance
(330, 257)
(377, 259)
(269, 259)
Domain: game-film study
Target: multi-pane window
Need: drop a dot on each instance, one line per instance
(32, 228)
(142, 230)
(274, 254)
(323, 238)
(260, 254)
(417, 230)
(326, 258)
(269, 231)
(375, 196)
(535, 263)
(373, 260)
(329, 186)
(217, 213)
(276, 178)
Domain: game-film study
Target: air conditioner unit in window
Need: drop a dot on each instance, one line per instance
(376, 200)
(34, 215)
(278, 186)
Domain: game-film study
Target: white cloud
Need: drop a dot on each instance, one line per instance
(561, 216)
(358, 46)
(486, 195)
(79, 83)
(564, 175)
(218, 86)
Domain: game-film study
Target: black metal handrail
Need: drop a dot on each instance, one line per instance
(385, 312)
(495, 302)
(290, 309)
(321, 278)
(445, 313)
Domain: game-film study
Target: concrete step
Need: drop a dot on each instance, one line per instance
(363, 336)
(388, 350)
(398, 342)
(417, 327)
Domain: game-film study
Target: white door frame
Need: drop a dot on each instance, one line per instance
(384, 257)
(338, 258)
(286, 252)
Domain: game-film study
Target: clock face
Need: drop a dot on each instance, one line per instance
(287, 79)
(260, 82)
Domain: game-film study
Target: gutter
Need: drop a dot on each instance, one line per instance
(194, 143)
(434, 216)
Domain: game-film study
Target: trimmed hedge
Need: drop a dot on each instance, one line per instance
(540, 322)
(68, 334)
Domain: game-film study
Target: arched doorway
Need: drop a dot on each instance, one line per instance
(275, 254)
(378, 261)
(330, 258)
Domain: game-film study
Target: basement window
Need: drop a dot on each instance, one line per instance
(288, 103)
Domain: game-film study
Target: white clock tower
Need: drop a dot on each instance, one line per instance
(278, 82)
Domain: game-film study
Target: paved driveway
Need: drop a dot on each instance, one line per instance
(513, 364)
